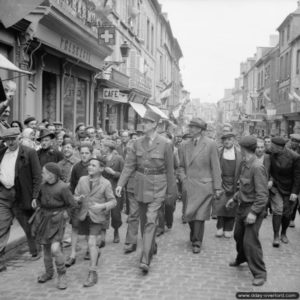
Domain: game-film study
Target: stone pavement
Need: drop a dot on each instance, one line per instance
(176, 273)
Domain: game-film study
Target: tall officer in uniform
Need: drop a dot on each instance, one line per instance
(252, 198)
(152, 159)
(200, 172)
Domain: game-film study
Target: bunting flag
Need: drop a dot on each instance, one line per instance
(166, 92)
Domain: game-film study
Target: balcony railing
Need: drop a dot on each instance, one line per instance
(139, 81)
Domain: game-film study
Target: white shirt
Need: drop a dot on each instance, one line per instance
(229, 154)
(7, 168)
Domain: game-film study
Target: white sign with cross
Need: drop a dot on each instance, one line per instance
(107, 35)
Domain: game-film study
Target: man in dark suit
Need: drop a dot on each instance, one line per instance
(20, 180)
(284, 185)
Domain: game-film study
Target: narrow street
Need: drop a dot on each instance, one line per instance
(176, 273)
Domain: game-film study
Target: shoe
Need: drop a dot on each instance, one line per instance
(128, 248)
(116, 236)
(292, 224)
(87, 255)
(62, 281)
(284, 239)
(70, 262)
(228, 234)
(92, 279)
(159, 232)
(219, 233)
(258, 281)
(234, 263)
(2, 267)
(144, 267)
(44, 277)
(196, 249)
(101, 245)
(276, 242)
(35, 256)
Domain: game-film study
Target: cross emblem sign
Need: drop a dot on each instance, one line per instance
(107, 35)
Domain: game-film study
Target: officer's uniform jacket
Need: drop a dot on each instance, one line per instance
(146, 160)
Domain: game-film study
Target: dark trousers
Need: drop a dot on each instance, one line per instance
(297, 207)
(165, 216)
(116, 219)
(132, 220)
(197, 232)
(148, 216)
(247, 242)
(23, 217)
(225, 223)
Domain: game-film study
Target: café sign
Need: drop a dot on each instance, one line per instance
(111, 94)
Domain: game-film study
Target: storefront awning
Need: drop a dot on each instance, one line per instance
(158, 111)
(8, 65)
(139, 108)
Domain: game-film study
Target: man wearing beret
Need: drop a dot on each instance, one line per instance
(230, 160)
(20, 180)
(252, 198)
(284, 187)
(151, 157)
(200, 172)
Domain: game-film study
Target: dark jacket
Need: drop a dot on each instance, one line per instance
(27, 176)
(285, 172)
(49, 155)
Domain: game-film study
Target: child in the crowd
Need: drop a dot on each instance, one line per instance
(95, 194)
(54, 203)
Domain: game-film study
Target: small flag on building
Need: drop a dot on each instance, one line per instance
(166, 92)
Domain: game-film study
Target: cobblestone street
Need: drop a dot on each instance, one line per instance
(176, 273)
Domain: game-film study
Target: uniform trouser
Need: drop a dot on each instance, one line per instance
(247, 242)
(132, 220)
(225, 223)
(48, 261)
(7, 199)
(197, 232)
(116, 219)
(165, 216)
(148, 216)
(23, 217)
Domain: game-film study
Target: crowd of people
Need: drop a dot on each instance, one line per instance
(50, 177)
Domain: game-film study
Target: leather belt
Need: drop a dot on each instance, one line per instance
(152, 171)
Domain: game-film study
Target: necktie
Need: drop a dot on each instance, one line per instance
(91, 185)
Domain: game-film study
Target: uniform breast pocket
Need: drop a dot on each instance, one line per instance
(157, 155)
(245, 185)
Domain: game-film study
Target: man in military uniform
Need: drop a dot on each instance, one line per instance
(252, 198)
(152, 159)
(284, 187)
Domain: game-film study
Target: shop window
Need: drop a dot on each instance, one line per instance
(69, 87)
(81, 101)
(49, 96)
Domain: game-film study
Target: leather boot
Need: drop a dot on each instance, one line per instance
(62, 281)
(92, 279)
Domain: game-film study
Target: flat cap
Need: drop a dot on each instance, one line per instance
(295, 136)
(197, 122)
(10, 132)
(226, 135)
(248, 142)
(29, 119)
(278, 140)
(109, 143)
(53, 168)
(44, 133)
